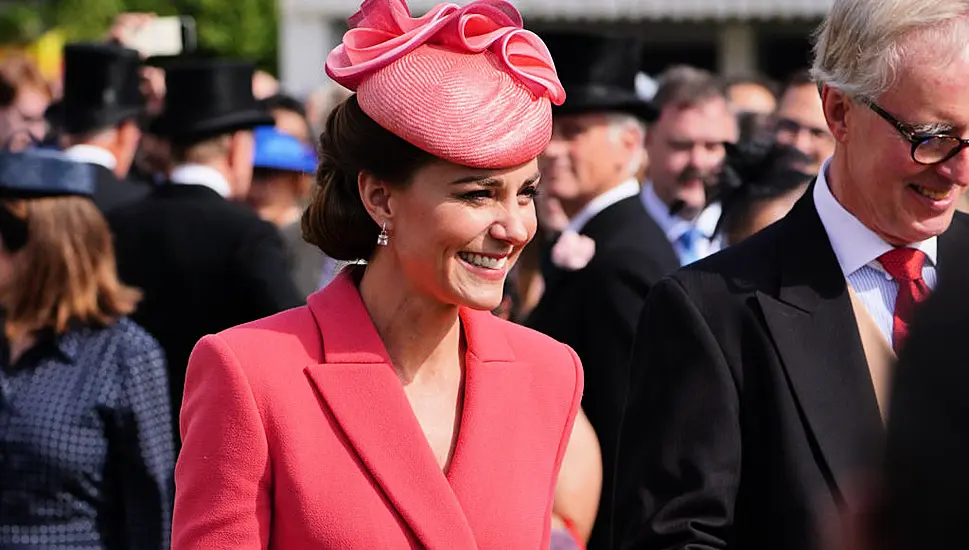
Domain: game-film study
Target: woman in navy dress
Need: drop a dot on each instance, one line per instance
(86, 452)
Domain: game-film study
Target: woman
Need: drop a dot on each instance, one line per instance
(394, 411)
(86, 452)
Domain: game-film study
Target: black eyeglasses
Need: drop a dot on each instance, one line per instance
(927, 149)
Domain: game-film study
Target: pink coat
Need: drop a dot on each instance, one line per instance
(297, 434)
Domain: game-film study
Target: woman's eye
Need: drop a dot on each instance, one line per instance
(476, 195)
(529, 192)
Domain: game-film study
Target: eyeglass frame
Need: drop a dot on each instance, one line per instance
(917, 140)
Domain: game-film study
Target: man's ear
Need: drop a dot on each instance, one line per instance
(838, 109)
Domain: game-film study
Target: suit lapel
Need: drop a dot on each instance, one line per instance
(359, 386)
(813, 327)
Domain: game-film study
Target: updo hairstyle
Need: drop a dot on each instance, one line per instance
(336, 220)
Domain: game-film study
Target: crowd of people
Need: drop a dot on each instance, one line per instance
(486, 290)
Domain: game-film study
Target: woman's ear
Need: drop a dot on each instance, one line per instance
(375, 195)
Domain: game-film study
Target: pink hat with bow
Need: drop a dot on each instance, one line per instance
(467, 84)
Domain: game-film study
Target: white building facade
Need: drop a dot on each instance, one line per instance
(733, 37)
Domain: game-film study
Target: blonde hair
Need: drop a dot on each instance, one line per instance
(67, 272)
(18, 73)
(202, 152)
(861, 45)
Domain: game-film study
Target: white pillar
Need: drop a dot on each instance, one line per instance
(305, 37)
(737, 50)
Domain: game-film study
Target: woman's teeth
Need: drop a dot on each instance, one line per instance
(932, 193)
(483, 261)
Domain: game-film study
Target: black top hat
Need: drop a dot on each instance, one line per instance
(101, 87)
(206, 97)
(598, 73)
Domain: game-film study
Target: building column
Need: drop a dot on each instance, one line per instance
(305, 38)
(737, 50)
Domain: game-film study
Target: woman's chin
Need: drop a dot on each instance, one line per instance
(483, 301)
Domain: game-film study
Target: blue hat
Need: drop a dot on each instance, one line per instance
(280, 151)
(36, 173)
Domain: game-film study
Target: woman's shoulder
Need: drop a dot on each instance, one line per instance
(289, 336)
(530, 346)
(126, 337)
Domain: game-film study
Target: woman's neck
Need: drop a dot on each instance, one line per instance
(421, 335)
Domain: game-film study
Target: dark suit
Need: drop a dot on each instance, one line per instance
(926, 480)
(204, 263)
(751, 409)
(111, 192)
(594, 310)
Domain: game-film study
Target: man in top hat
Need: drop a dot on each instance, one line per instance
(590, 167)
(99, 117)
(760, 375)
(204, 260)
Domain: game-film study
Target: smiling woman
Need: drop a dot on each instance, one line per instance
(454, 227)
(394, 410)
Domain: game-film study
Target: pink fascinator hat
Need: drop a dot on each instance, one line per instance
(467, 84)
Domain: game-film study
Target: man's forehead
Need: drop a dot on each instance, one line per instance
(713, 108)
(580, 119)
(928, 90)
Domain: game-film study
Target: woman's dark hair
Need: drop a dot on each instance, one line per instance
(336, 220)
(755, 171)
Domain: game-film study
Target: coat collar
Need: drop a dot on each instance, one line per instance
(352, 338)
(357, 383)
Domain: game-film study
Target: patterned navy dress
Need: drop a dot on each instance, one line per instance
(86, 451)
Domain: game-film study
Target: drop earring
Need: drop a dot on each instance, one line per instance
(383, 238)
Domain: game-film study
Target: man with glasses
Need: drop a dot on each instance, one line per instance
(799, 121)
(759, 376)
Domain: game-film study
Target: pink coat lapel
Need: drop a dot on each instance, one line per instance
(358, 384)
(503, 423)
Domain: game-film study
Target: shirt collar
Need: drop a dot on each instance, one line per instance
(854, 244)
(197, 174)
(92, 154)
(675, 226)
(629, 188)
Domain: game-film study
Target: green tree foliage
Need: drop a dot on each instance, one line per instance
(230, 28)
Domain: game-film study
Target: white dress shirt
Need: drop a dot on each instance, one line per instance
(197, 174)
(92, 154)
(675, 226)
(630, 188)
(857, 248)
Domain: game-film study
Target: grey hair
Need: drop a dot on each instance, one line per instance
(862, 44)
(620, 122)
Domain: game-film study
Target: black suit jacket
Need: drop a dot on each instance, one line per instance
(751, 409)
(595, 310)
(110, 192)
(926, 481)
(204, 263)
